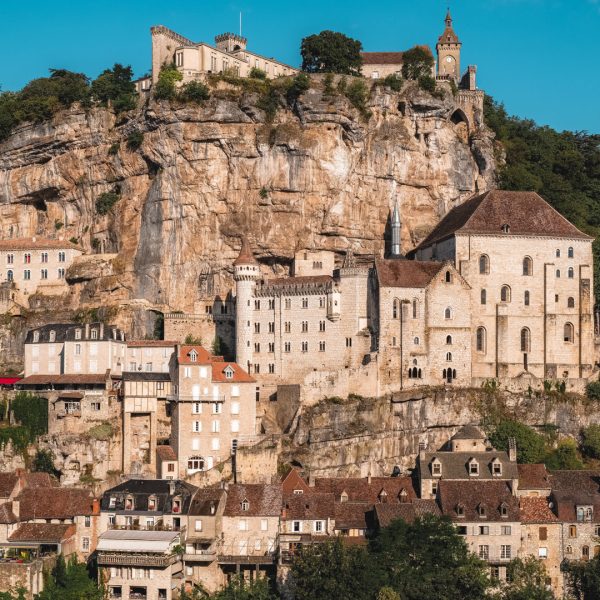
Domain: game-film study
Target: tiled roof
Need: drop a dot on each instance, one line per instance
(469, 432)
(470, 495)
(65, 332)
(39, 480)
(351, 515)
(88, 379)
(145, 376)
(42, 532)
(6, 514)
(141, 490)
(382, 58)
(264, 500)
(204, 356)
(533, 477)
(166, 453)
(406, 273)
(408, 511)
(360, 490)
(292, 480)
(246, 256)
(57, 503)
(206, 501)
(37, 244)
(8, 481)
(309, 506)
(526, 213)
(455, 465)
(151, 344)
(239, 374)
(300, 281)
(536, 510)
(575, 488)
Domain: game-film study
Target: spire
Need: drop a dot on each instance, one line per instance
(449, 36)
(246, 256)
(448, 19)
(396, 227)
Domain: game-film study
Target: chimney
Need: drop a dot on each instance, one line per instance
(422, 448)
(171, 488)
(87, 331)
(16, 508)
(101, 336)
(311, 480)
(512, 449)
(369, 476)
(95, 506)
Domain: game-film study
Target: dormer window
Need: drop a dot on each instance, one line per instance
(129, 503)
(94, 334)
(382, 496)
(496, 468)
(403, 495)
(436, 468)
(481, 511)
(177, 504)
(460, 510)
(473, 468)
(245, 505)
(36, 337)
(112, 502)
(78, 334)
(584, 513)
(344, 497)
(152, 503)
(52, 337)
(193, 356)
(213, 508)
(228, 372)
(504, 510)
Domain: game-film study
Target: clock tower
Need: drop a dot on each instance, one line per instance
(448, 52)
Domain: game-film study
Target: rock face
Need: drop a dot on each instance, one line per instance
(319, 176)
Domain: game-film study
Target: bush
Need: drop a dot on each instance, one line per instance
(427, 83)
(590, 443)
(299, 85)
(358, 94)
(114, 149)
(31, 412)
(417, 62)
(331, 52)
(194, 91)
(135, 140)
(103, 431)
(530, 445)
(257, 73)
(115, 86)
(394, 82)
(58, 225)
(565, 456)
(166, 86)
(328, 85)
(106, 201)
(74, 240)
(43, 462)
(269, 103)
(592, 390)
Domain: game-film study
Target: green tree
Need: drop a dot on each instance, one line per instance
(583, 579)
(31, 412)
(417, 62)
(590, 441)
(70, 581)
(526, 580)
(43, 462)
(166, 86)
(592, 390)
(116, 86)
(530, 445)
(564, 456)
(256, 73)
(387, 593)
(331, 52)
(194, 91)
(239, 589)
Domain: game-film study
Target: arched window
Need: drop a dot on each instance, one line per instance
(571, 273)
(526, 298)
(585, 552)
(409, 373)
(444, 373)
(448, 313)
(505, 294)
(449, 340)
(558, 273)
(571, 302)
(525, 340)
(395, 309)
(453, 373)
(571, 252)
(415, 373)
(506, 228)
(448, 277)
(419, 375)
(558, 253)
(568, 333)
(483, 296)
(481, 339)
(417, 341)
(527, 266)
(415, 309)
(484, 264)
(449, 356)
(9, 275)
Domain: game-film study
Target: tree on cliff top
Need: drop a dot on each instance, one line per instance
(531, 446)
(331, 52)
(116, 86)
(417, 62)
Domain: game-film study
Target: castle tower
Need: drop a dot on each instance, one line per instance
(448, 52)
(246, 272)
(396, 229)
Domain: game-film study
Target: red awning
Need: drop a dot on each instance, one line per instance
(9, 380)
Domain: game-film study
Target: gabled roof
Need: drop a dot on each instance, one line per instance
(408, 511)
(65, 332)
(37, 244)
(204, 357)
(351, 515)
(454, 465)
(406, 273)
(361, 490)
(142, 489)
(8, 481)
(309, 506)
(526, 214)
(239, 375)
(55, 503)
(382, 58)
(82, 379)
(264, 500)
(53, 533)
(166, 453)
(533, 477)
(575, 488)
(536, 510)
(204, 500)
(292, 480)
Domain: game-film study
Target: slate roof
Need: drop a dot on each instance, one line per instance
(87, 379)
(56, 503)
(536, 510)
(264, 500)
(42, 532)
(65, 332)
(37, 244)
(203, 501)
(533, 477)
(360, 490)
(382, 58)
(246, 256)
(406, 273)
(526, 213)
(472, 494)
(309, 506)
(142, 489)
(575, 488)
(145, 376)
(455, 465)
(469, 432)
(408, 511)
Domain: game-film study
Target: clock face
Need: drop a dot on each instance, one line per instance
(449, 59)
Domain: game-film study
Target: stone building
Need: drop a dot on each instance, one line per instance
(36, 265)
(531, 278)
(378, 65)
(448, 52)
(197, 59)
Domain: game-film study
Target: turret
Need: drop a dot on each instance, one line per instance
(396, 229)
(246, 272)
(448, 52)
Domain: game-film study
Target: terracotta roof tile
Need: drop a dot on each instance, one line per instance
(360, 490)
(351, 515)
(246, 256)
(99, 379)
(533, 477)
(206, 501)
(406, 273)
(309, 506)
(166, 453)
(300, 281)
(151, 344)
(42, 532)
(39, 480)
(59, 503)
(7, 516)
(204, 357)
(37, 244)
(408, 511)
(264, 500)
(575, 488)
(536, 510)
(8, 481)
(382, 58)
(239, 374)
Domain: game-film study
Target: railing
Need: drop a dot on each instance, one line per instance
(139, 527)
(136, 560)
(202, 399)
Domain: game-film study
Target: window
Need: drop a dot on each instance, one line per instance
(558, 253)
(215, 444)
(321, 346)
(542, 553)
(304, 346)
(287, 347)
(94, 334)
(287, 326)
(571, 302)
(484, 552)
(348, 342)
(572, 531)
(558, 273)
(61, 273)
(85, 544)
(484, 530)
(296, 526)
(571, 254)
(288, 303)
(217, 408)
(503, 510)
(460, 511)
(374, 74)
(319, 527)
(568, 333)
(525, 340)
(484, 264)
(497, 468)
(271, 368)
(505, 294)
(61, 257)
(526, 298)
(473, 467)
(481, 339)
(198, 525)
(216, 426)
(304, 302)
(264, 525)
(95, 406)
(235, 426)
(257, 347)
(78, 350)
(527, 266)
(10, 259)
(196, 426)
(436, 468)
(448, 313)
(416, 341)
(243, 524)
(187, 372)
(304, 326)
(505, 228)
(395, 309)
(256, 327)
(257, 305)
(87, 521)
(321, 325)
(505, 530)
(10, 275)
(271, 327)
(196, 406)
(585, 552)
(27, 274)
(44, 257)
(449, 340)
(449, 356)
(27, 258)
(448, 277)
(415, 309)
(571, 273)
(543, 534)
(44, 274)
(505, 552)
(271, 347)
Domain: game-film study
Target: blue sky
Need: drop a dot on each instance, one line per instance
(537, 56)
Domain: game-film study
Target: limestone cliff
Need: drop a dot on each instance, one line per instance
(319, 175)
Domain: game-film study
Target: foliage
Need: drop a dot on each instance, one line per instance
(299, 84)
(526, 580)
(269, 102)
(328, 85)
(96, 243)
(257, 73)
(263, 193)
(58, 225)
(102, 431)
(70, 581)
(331, 52)
(565, 456)
(427, 83)
(583, 579)
(394, 82)
(358, 94)
(166, 86)
(194, 91)
(74, 240)
(590, 441)
(592, 390)
(114, 149)
(115, 86)
(417, 62)
(563, 167)
(106, 201)
(19, 594)
(388, 593)
(239, 589)
(530, 445)
(19, 436)
(159, 327)
(192, 340)
(43, 462)
(31, 412)
(135, 140)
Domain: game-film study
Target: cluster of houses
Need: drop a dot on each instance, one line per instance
(150, 537)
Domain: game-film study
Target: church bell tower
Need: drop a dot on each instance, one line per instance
(448, 52)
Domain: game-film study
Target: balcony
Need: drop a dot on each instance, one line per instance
(203, 555)
(126, 559)
(202, 399)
